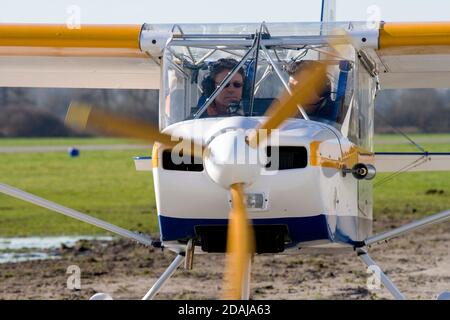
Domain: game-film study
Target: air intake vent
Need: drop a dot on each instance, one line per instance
(269, 238)
(190, 165)
(286, 157)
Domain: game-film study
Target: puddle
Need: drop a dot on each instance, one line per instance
(38, 248)
(29, 256)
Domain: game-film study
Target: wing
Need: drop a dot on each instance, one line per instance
(413, 55)
(412, 161)
(406, 55)
(93, 56)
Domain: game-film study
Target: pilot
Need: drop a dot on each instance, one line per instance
(321, 106)
(228, 102)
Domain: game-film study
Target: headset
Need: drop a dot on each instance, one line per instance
(208, 84)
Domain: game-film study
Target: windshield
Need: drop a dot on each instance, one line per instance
(226, 75)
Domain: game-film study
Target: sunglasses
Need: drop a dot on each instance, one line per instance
(236, 84)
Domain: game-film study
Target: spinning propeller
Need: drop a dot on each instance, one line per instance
(240, 239)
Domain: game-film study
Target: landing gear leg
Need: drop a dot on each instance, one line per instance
(245, 295)
(378, 272)
(189, 261)
(164, 277)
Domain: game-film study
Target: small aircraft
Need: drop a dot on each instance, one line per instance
(268, 176)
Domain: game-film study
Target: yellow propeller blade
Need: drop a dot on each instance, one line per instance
(240, 246)
(83, 116)
(287, 105)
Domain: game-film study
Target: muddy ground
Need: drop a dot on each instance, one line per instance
(419, 264)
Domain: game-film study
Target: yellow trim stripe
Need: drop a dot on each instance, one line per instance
(60, 36)
(71, 52)
(353, 156)
(316, 159)
(155, 155)
(401, 34)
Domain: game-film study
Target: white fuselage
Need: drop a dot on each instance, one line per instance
(316, 203)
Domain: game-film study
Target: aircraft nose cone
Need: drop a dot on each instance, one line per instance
(230, 160)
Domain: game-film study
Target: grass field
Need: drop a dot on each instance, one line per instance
(412, 194)
(102, 183)
(105, 184)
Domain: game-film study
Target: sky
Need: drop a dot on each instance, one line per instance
(194, 11)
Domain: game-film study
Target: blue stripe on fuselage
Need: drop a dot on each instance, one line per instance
(301, 229)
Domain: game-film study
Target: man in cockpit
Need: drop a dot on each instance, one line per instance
(228, 102)
(321, 106)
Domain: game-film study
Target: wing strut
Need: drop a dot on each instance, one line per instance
(435, 218)
(19, 194)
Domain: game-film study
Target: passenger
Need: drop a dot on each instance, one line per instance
(321, 106)
(228, 101)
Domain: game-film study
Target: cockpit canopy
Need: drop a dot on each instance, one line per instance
(257, 71)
